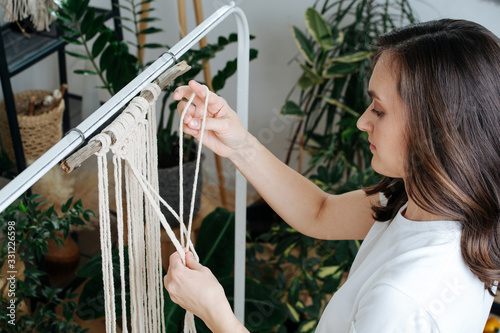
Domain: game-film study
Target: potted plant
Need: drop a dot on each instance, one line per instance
(30, 301)
(115, 65)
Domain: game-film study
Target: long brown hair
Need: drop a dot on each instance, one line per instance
(449, 79)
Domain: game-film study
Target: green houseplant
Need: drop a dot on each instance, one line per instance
(28, 227)
(335, 60)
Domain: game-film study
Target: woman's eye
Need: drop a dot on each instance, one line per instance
(377, 113)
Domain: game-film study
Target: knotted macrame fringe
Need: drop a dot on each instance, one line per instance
(37, 10)
(135, 161)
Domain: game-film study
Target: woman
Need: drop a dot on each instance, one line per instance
(431, 254)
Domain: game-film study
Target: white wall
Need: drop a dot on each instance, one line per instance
(272, 75)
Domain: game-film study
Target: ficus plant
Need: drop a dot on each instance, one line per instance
(28, 226)
(116, 65)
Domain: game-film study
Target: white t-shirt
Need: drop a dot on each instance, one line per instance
(409, 277)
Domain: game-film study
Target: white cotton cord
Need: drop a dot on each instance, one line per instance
(130, 241)
(117, 163)
(178, 246)
(153, 240)
(105, 231)
(197, 170)
(181, 171)
(139, 231)
(158, 196)
(189, 324)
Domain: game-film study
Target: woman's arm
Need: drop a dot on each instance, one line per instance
(296, 199)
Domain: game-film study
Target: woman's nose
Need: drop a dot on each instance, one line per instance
(364, 124)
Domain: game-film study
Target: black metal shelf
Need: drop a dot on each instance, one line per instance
(19, 52)
(22, 52)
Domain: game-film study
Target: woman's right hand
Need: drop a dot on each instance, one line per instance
(224, 132)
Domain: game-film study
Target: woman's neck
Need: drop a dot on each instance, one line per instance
(414, 213)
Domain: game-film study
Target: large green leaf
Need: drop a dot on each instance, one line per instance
(290, 108)
(304, 82)
(88, 23)
(263, 309)
(339, 69)
(307, 326)
(303, 44)
(100, 43)
(311, 74)
(72, 40)
(325, 271)
(77, 55)
(84, 72)
(344, 107)
(78, 7)
(353, 57)
(97, 25)
(292, 312)
(319, 29)
(216, 242)
(150, 30)
(69, 30)
(108, 56)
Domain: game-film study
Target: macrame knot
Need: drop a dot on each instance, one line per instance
(141, 104)
(105, 141)
(119, 150)
(154, 89)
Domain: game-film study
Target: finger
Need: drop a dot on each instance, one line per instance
(182, 92)
(196, 109)
(186, 91)
(191, 261)
(193, 132)
(175, 260)
(215, 102)
(182, 105)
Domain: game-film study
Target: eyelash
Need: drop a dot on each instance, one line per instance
(377, 113)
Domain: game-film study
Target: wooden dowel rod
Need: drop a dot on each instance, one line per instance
(182, 18)
(198, 9)
(145, 6)
(93, 147)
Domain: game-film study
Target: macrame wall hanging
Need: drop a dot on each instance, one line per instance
(37, 10)
(131, 139)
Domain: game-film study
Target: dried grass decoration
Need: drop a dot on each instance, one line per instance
(39, 115)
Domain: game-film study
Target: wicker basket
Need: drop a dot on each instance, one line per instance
(38, 132)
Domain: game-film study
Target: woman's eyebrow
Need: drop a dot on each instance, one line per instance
(372, 94)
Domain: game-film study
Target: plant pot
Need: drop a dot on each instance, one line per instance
(39, 132)
(62, 260)
(169, 189)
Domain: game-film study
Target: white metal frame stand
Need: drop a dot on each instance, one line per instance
(77, 136)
